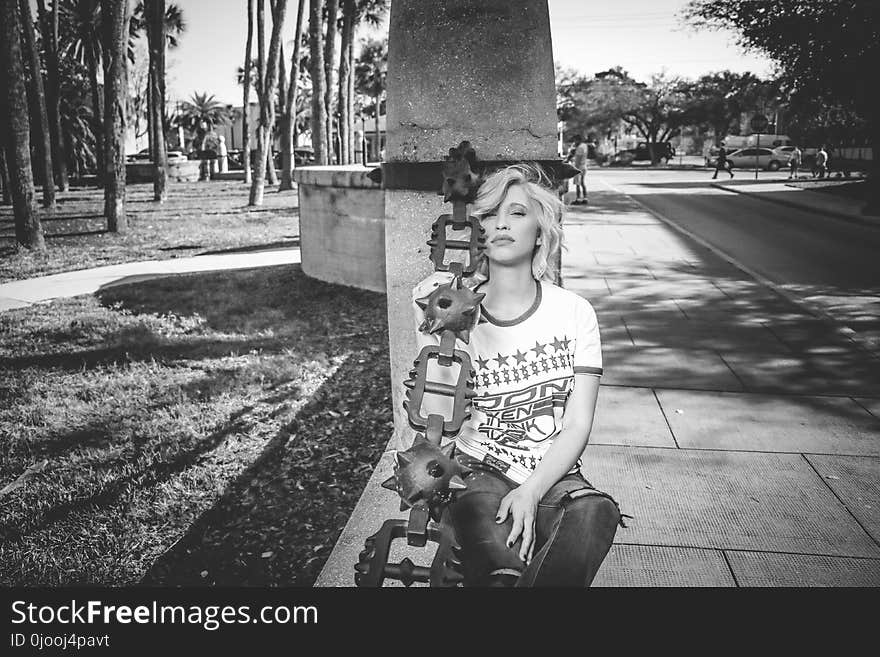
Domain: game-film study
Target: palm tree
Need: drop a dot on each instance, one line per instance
(354, 12)
(245, 79)
(155, 15)
(38, 95)
(267, 94)
(372, 65)
(14, 114)
(201, 114)
(115, 23)
(83, 21)
(316, 69)
(288, 115)
(49, 26)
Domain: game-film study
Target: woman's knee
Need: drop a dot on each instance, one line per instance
(594, 510)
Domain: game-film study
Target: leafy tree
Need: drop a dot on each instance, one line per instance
(656, 110)
(718, 100)
(824, 50)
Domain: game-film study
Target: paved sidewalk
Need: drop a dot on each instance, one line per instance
(19, 294)
(781, 192)
(740, 431)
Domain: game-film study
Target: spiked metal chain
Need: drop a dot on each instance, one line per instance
(426, 477)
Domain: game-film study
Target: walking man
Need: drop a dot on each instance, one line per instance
(722, 163)
(794, 162)
(578, 158)
(821, 161)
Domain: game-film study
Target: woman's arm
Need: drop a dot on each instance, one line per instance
(567, 447)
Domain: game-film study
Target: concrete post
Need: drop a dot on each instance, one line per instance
(475, 70)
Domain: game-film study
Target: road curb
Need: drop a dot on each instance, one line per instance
(854, 218)
(863, 344)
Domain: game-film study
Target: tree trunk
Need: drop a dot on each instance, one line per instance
(28, 231)
(316, 72)
(38, 93)
(288, 118)
(246, 101)
(378, 148)
(4, 170)
(115, 23)
(267, 104)
(329, 61)
(97, 109)
(49, 29)
(348, 9)
(351, 146)
(271, 173)
(155, 14)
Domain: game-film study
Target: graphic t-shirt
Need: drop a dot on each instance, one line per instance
(524, 372)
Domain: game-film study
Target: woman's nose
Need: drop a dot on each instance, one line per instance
(501, 222)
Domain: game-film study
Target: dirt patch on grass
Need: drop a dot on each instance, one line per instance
(203, 217)
(236, 416)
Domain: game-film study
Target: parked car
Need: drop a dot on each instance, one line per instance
(144, 156)
(664, 151)
(746, 158)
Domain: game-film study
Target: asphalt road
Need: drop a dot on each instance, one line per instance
(787, 246)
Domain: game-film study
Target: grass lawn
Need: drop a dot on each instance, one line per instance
(199, 217)
(200, 429)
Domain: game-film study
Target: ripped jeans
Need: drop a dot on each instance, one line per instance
(574, 527)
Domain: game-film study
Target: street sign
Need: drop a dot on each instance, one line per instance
(759, 123)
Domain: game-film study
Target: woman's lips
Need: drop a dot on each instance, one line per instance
(503, 239)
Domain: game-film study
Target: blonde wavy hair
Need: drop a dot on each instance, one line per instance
(551, 210)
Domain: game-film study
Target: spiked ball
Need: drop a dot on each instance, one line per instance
(426, 473)
(450, 307)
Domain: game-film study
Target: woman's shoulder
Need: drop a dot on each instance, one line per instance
(567, 298)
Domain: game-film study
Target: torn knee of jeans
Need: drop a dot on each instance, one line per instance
(585, 492)
(504, 577)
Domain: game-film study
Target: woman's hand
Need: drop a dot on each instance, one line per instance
(522, 504)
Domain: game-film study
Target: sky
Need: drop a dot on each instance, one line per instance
(642, 36)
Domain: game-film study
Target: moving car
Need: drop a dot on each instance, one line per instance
(746, 158)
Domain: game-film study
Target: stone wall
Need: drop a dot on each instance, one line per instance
(342, 226)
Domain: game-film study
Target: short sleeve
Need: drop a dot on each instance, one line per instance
(588, 346)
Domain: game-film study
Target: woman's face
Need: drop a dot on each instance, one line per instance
(513, 229)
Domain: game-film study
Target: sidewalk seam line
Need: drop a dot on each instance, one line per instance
(663, 412)
(755, 550)
(837, 497)
(778, 289)
(732, 371)
(730, 568)
(867, 410)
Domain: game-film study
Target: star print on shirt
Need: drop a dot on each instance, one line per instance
(520, 357)
(558, 344)
(538, 349)
(482, 363)
(501, 359)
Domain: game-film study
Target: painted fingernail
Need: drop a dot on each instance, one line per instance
(497, 518)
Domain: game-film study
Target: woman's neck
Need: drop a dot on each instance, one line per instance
(510, 291)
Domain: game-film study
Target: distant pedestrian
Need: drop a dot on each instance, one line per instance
(722, 163)
(821, 162)
(578, 158)
(794, 162)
